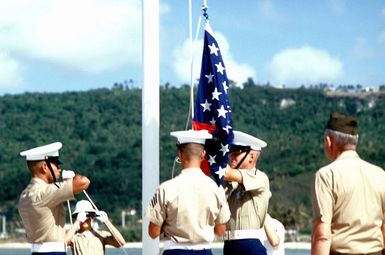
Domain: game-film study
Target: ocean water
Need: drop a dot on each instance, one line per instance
(132, 251)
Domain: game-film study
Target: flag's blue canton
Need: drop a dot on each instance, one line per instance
(212, 109)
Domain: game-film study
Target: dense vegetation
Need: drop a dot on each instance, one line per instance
(101, 134)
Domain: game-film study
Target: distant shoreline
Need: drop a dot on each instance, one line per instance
(22, 245)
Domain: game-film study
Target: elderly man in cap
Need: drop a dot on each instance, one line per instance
(348, 196)
(248, 196)
(41, 203)
(189, 209)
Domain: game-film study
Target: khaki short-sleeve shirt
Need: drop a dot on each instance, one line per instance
(42, 211)
(349, 194)
(92, 243)
(249, 201)
(188, 207)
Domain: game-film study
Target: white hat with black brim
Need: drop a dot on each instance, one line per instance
(48, 152)
(246, 140)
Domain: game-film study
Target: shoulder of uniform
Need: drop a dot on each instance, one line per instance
(325, 172)
(260, 172)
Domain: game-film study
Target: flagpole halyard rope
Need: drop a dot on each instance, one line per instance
(192, 44)
(89, 199)
(69, 211)
(92, 203)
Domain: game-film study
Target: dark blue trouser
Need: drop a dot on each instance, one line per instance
(244, 247)
(187, 252)
(49, 253)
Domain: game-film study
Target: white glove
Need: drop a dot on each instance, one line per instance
(67, 174)
(82, 216)
(102, 216)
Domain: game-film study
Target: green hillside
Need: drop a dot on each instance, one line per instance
(101, 134)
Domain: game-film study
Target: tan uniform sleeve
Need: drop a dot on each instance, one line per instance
(322, 196)
(256, 184)
(156, 211)
(253, 181)
(224, 211)
(55, 195)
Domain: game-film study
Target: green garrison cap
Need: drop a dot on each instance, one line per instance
(342, 123)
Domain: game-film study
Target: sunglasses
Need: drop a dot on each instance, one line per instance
(91, 214)
(88, 214)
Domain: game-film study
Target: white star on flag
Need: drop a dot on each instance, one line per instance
(221, 171)
(227, 128)
(209, 77)
(216, 94)
(222, 112)
(212, 159)
(213, 49)
(220, 68)
(212, 121)
(206, 106)
(224, 148)
(225, 87)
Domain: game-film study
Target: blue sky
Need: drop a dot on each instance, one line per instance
(57, 45)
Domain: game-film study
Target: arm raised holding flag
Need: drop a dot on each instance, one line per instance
(248, 196)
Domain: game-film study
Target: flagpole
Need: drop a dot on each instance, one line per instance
(150, 116)
(191, 62)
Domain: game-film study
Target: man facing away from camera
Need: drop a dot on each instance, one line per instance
(190, 209)
(348, 196)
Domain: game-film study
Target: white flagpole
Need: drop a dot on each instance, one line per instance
(191, 63)
(150, 115)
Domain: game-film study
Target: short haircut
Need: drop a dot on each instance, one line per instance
(342, 139)
(191, 150)
(34, 165)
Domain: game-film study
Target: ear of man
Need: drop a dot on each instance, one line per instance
(251, 156)
(203, 155)
(328, 140)
(45, 168)
(331, 149)
(180, 154)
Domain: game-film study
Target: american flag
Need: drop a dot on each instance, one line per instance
(212, 108)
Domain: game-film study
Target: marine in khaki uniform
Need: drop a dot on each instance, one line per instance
(248, 196)
(41, 203)
(189, 209)
(348, 196)
(89, 241)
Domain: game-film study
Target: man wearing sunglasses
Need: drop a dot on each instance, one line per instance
(88, 240)
(248, 194)
(41, 202)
